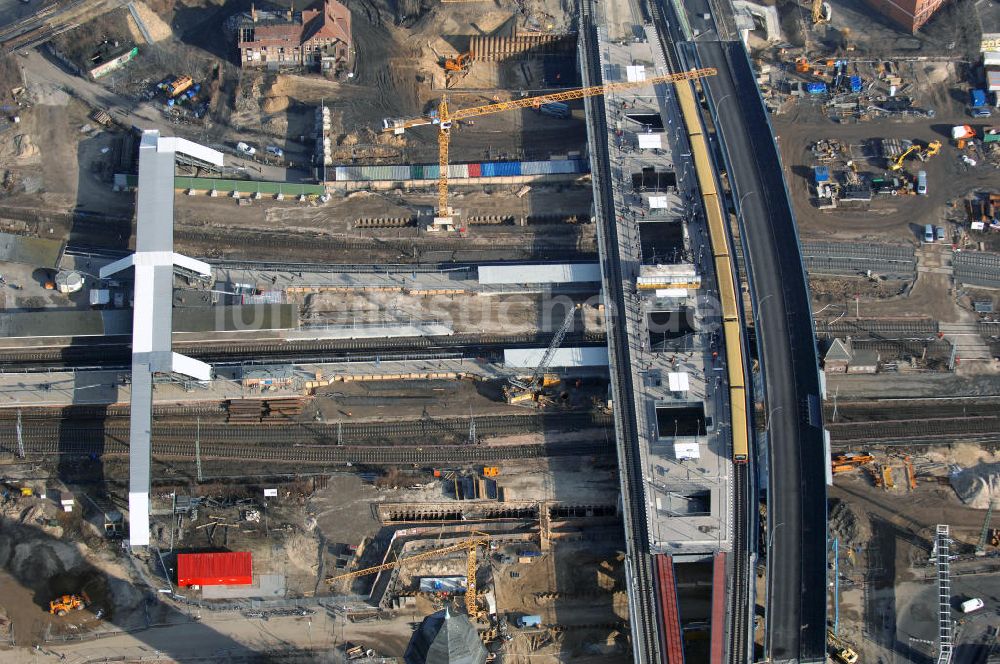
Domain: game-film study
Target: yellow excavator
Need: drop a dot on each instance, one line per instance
(897, 163)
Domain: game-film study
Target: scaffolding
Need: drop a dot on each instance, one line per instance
(941, 553)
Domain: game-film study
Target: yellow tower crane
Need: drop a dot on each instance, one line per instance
(471, 545)
(445, 118)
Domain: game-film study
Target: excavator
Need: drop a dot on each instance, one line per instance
(460, 62)
(896, 164)
(458, 67)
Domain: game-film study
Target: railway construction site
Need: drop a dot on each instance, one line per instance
(495, 331)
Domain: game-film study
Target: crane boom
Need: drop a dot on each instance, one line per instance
(472, 542)
(557, 340)
(445, 117)
(579, 93)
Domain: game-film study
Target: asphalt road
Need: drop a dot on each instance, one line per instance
(797, 500)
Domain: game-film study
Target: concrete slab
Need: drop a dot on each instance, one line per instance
(265, 586)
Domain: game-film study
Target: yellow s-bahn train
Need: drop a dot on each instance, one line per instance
(719, 239)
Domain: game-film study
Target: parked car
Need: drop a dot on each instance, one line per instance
(980, 112)
(928, 233)
(246, 149)
(939, 233)
(974, 604)
(275, 150)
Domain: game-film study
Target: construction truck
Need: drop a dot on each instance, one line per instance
(60, 606)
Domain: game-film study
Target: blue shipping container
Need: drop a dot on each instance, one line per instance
(821, 173)
(498, 169)
(855, 84)
(816, 88)
(978, 98)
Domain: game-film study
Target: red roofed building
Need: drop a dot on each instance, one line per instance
(312, 38)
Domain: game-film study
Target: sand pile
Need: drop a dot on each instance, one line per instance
(275, 104)
(158, 28)
(978, 485)
(25, 148)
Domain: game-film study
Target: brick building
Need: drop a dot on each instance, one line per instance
(318, 38)
(909, 15)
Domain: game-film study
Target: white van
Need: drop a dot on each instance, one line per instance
(922, 183)
(974, 604)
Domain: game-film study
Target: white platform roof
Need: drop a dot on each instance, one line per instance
(540, 273)
(528, 358)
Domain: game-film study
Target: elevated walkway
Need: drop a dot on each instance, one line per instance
(154, 263)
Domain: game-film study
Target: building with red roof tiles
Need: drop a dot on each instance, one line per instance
(317, 38)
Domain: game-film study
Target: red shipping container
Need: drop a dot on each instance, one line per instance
(214, 569)
(475, 170)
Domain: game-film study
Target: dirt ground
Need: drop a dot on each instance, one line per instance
(885, 539)
(890, 219)
(46, 552)
(269, 230)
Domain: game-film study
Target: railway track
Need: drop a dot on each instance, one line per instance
(910, 410)
(639, 563)
(326, 350)
(879, 330)
(942, 429)
(51, 21)
(429, 432)
(343, 455)
(740, 597)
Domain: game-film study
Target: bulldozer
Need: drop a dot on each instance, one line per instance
(60, 606)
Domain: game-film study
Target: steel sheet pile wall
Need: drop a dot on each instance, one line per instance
(214, 569)
(489, 169)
